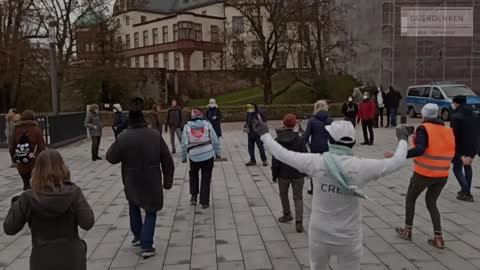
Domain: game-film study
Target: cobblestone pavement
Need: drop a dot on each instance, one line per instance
(240, 230)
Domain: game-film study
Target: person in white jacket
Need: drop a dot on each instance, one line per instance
(335, 224)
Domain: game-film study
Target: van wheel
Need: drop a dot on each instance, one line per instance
(445, 115)
(411, 112)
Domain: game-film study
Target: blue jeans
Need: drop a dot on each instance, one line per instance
(142, 230)
(393, 116)
(252, 140)
(464, 179)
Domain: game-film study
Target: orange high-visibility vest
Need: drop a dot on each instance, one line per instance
(436, 160)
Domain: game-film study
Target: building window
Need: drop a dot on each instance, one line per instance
(143, 19)
(198, 32)
(118, 23)
(146, 62)
(256, 50)
(185, 30)
(127, 20)
(127, 41)
(303, 33)
(137, 61)
(165, 34)
(207, 61)
(145, 38)
(387, 13)
(166, 62)
(155, 60)
(175, 32)
(155, 36)
(136, 41)
(119, 42)
(303, 60)
(177, 60)
(214, 34)
(238, 49)
(238, 24)
(257, 21)
(281, 60)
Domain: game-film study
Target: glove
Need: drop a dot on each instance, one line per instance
(402, 133)
(261, 128)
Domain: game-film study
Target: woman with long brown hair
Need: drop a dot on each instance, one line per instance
(54, 209)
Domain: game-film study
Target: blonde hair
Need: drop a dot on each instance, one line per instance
(50, 172)
(93, 107)
(320, 105)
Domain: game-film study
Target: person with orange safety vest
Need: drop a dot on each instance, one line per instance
(434, 148)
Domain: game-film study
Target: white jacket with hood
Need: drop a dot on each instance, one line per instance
(335, 216)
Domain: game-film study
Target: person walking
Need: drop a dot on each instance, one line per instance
(434, 148)
(27, 142)
(464, 128)
(93, 121)
(316, 133)
(336, 221)
(350, 110)
(119, 123)
(392, 100)
(254, 113)
(174, 124)
(381, 106)
(200, 144)
(366, 115)
(214, 116)
(53, 209)
(145, 157)
(155, 118)
(287, 176)
(9, 130)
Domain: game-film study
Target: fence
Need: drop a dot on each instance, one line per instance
(58, 129)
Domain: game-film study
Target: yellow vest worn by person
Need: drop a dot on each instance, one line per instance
(436, 160)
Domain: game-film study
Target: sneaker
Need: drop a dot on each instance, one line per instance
(135, 242)
(465, 197)
(205, 206)
(370, 143)
(285, 218)
(299, 227)
(404, 233)
(98, 158)
(310, 192)
(265, 163)
(193, 200)
(147, 253)
(364, 143)
(437, 241)
(251, 163)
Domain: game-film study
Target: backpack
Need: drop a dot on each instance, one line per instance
(24, 151)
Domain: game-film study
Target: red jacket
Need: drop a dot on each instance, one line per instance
(367, 110)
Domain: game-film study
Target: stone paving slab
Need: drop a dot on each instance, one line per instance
(240, 230)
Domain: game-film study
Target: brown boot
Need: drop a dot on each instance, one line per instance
(437, 241)
(405, 233)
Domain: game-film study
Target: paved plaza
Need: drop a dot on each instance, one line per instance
(240, 230)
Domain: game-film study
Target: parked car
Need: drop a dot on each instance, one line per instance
(440, 94)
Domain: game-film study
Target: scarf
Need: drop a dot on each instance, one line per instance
(344, 181)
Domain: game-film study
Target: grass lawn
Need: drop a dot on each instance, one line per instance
(240, 97)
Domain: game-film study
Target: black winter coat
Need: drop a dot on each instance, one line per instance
(214, 116)
(350, 109)
(316, 132)
(145, 157)
(250, 117)
(53, 218)
(292, 141)
(464, 127)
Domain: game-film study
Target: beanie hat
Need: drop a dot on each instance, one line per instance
(196, 113)
(290, 120)
(430, 110)
(460, 99)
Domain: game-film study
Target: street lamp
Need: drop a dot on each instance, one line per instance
(53, 67)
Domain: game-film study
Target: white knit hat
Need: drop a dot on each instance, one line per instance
(430, 110)
(342, 131)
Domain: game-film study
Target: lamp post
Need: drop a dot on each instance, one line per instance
(53, 67)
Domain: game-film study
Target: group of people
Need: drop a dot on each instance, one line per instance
(323, 152)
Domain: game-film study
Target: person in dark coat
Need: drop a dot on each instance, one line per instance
(350, 111)
(214, 116)
(93, 121)
(145, 158)
(286, 175)
(155, 118)
(464, 128)
(316, 134)
(28, 126)
(119, 123)
(254, 113)
(174, 124)
(54, 209)
(392, 102)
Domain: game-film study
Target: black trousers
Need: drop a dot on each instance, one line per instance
(26, 180)
(367, 125)
(380, 117)
(95, 145)
(434, 187)
(203, 168)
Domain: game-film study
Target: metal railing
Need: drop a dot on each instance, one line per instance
(58, 129)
